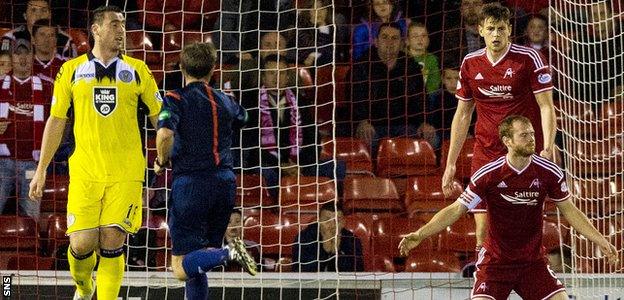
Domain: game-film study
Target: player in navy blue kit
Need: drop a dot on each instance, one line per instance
(195, 130)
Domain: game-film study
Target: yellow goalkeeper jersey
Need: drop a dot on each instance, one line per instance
(105, 100)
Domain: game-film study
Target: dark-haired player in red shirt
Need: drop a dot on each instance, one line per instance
(515, 187)
(500, 80)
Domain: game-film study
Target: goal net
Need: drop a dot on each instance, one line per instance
(300, 67)
(586, 54)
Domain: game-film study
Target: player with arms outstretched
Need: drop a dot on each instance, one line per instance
(500, 80)
(515, 187)
(196, 127)
(106, 170)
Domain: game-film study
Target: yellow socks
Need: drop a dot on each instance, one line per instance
(110, 273)
(81, 269)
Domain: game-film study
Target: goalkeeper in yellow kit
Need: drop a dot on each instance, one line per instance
(107, 168)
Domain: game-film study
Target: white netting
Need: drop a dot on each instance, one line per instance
(587, 65)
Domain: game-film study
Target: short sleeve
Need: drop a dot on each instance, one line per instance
(62, 94)
(471, 196)
(558, 191)
(541, 78)
(149, 91)
(169, 116)
(463, 92)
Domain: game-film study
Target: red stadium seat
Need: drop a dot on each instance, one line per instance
(305, 193)
(388, 232)
(589, 256)
(459, 237)
(175, 11)
(275, 233)
(551, 232)
(19, 234)
(361, 226)
(464, 160)
(383, 264)
(371, 194)
(251, 191)
(57, 226)
(29, 262)
(54, 198)
(422, 190)
(405, 157)
(353, 151)
(81, 39)
(595, 158)
(612, 118)
(432, 262)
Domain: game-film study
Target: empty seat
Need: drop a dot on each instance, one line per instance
(421, 191)
(388, 232)
(612, 118)
(383, 264)
(353, 151)
(305, 193)
(57, 226)
(360, 225)
(551, 233)
(187, 13)
(19, 234)
(29, 262)
(432, 262)
(595, 158)
(459, 237)
(371, 194)
(54, 198)
(251, 191)
(464, 160)
(405, 157)
(275, 233)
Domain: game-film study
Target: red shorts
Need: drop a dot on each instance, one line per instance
(530, 281)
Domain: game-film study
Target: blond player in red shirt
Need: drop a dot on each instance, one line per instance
(515, 187)
(500, 80)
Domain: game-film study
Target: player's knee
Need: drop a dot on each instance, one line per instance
(83, 244)
(559, 296)
(112, 238)
(178, 272)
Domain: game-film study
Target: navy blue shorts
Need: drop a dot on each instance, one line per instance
(199, 210)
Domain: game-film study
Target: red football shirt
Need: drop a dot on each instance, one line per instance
(47, 70)
(25, 103)
(500, 89)
(515, 204)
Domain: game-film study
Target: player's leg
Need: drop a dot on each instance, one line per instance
(560, 296)
(541, 283)
(121, 214)
(83, 211)
(491, 282)
(220, 210)
(189, 216)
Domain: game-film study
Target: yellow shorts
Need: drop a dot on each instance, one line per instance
(97, 204)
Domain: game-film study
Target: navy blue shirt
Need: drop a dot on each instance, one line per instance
(203, 121)
(309, 255)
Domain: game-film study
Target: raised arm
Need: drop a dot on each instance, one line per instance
(580, 223)
(441, 220)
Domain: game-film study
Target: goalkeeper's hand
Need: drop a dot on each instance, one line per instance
(409, 242)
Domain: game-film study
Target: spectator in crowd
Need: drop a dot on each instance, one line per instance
(245, 75)
(6, 63)
(24, 106)
(463, 37)
(537, 34)
(37, 10)
(235, 230)
(364, 34)
(442, 104)
(417, 45)
(287, 145)
(316, 33)
(237, 31)
(387, 91)
(46, 61)
(327, 246)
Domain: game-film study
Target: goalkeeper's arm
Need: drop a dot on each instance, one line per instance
(441, 220)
